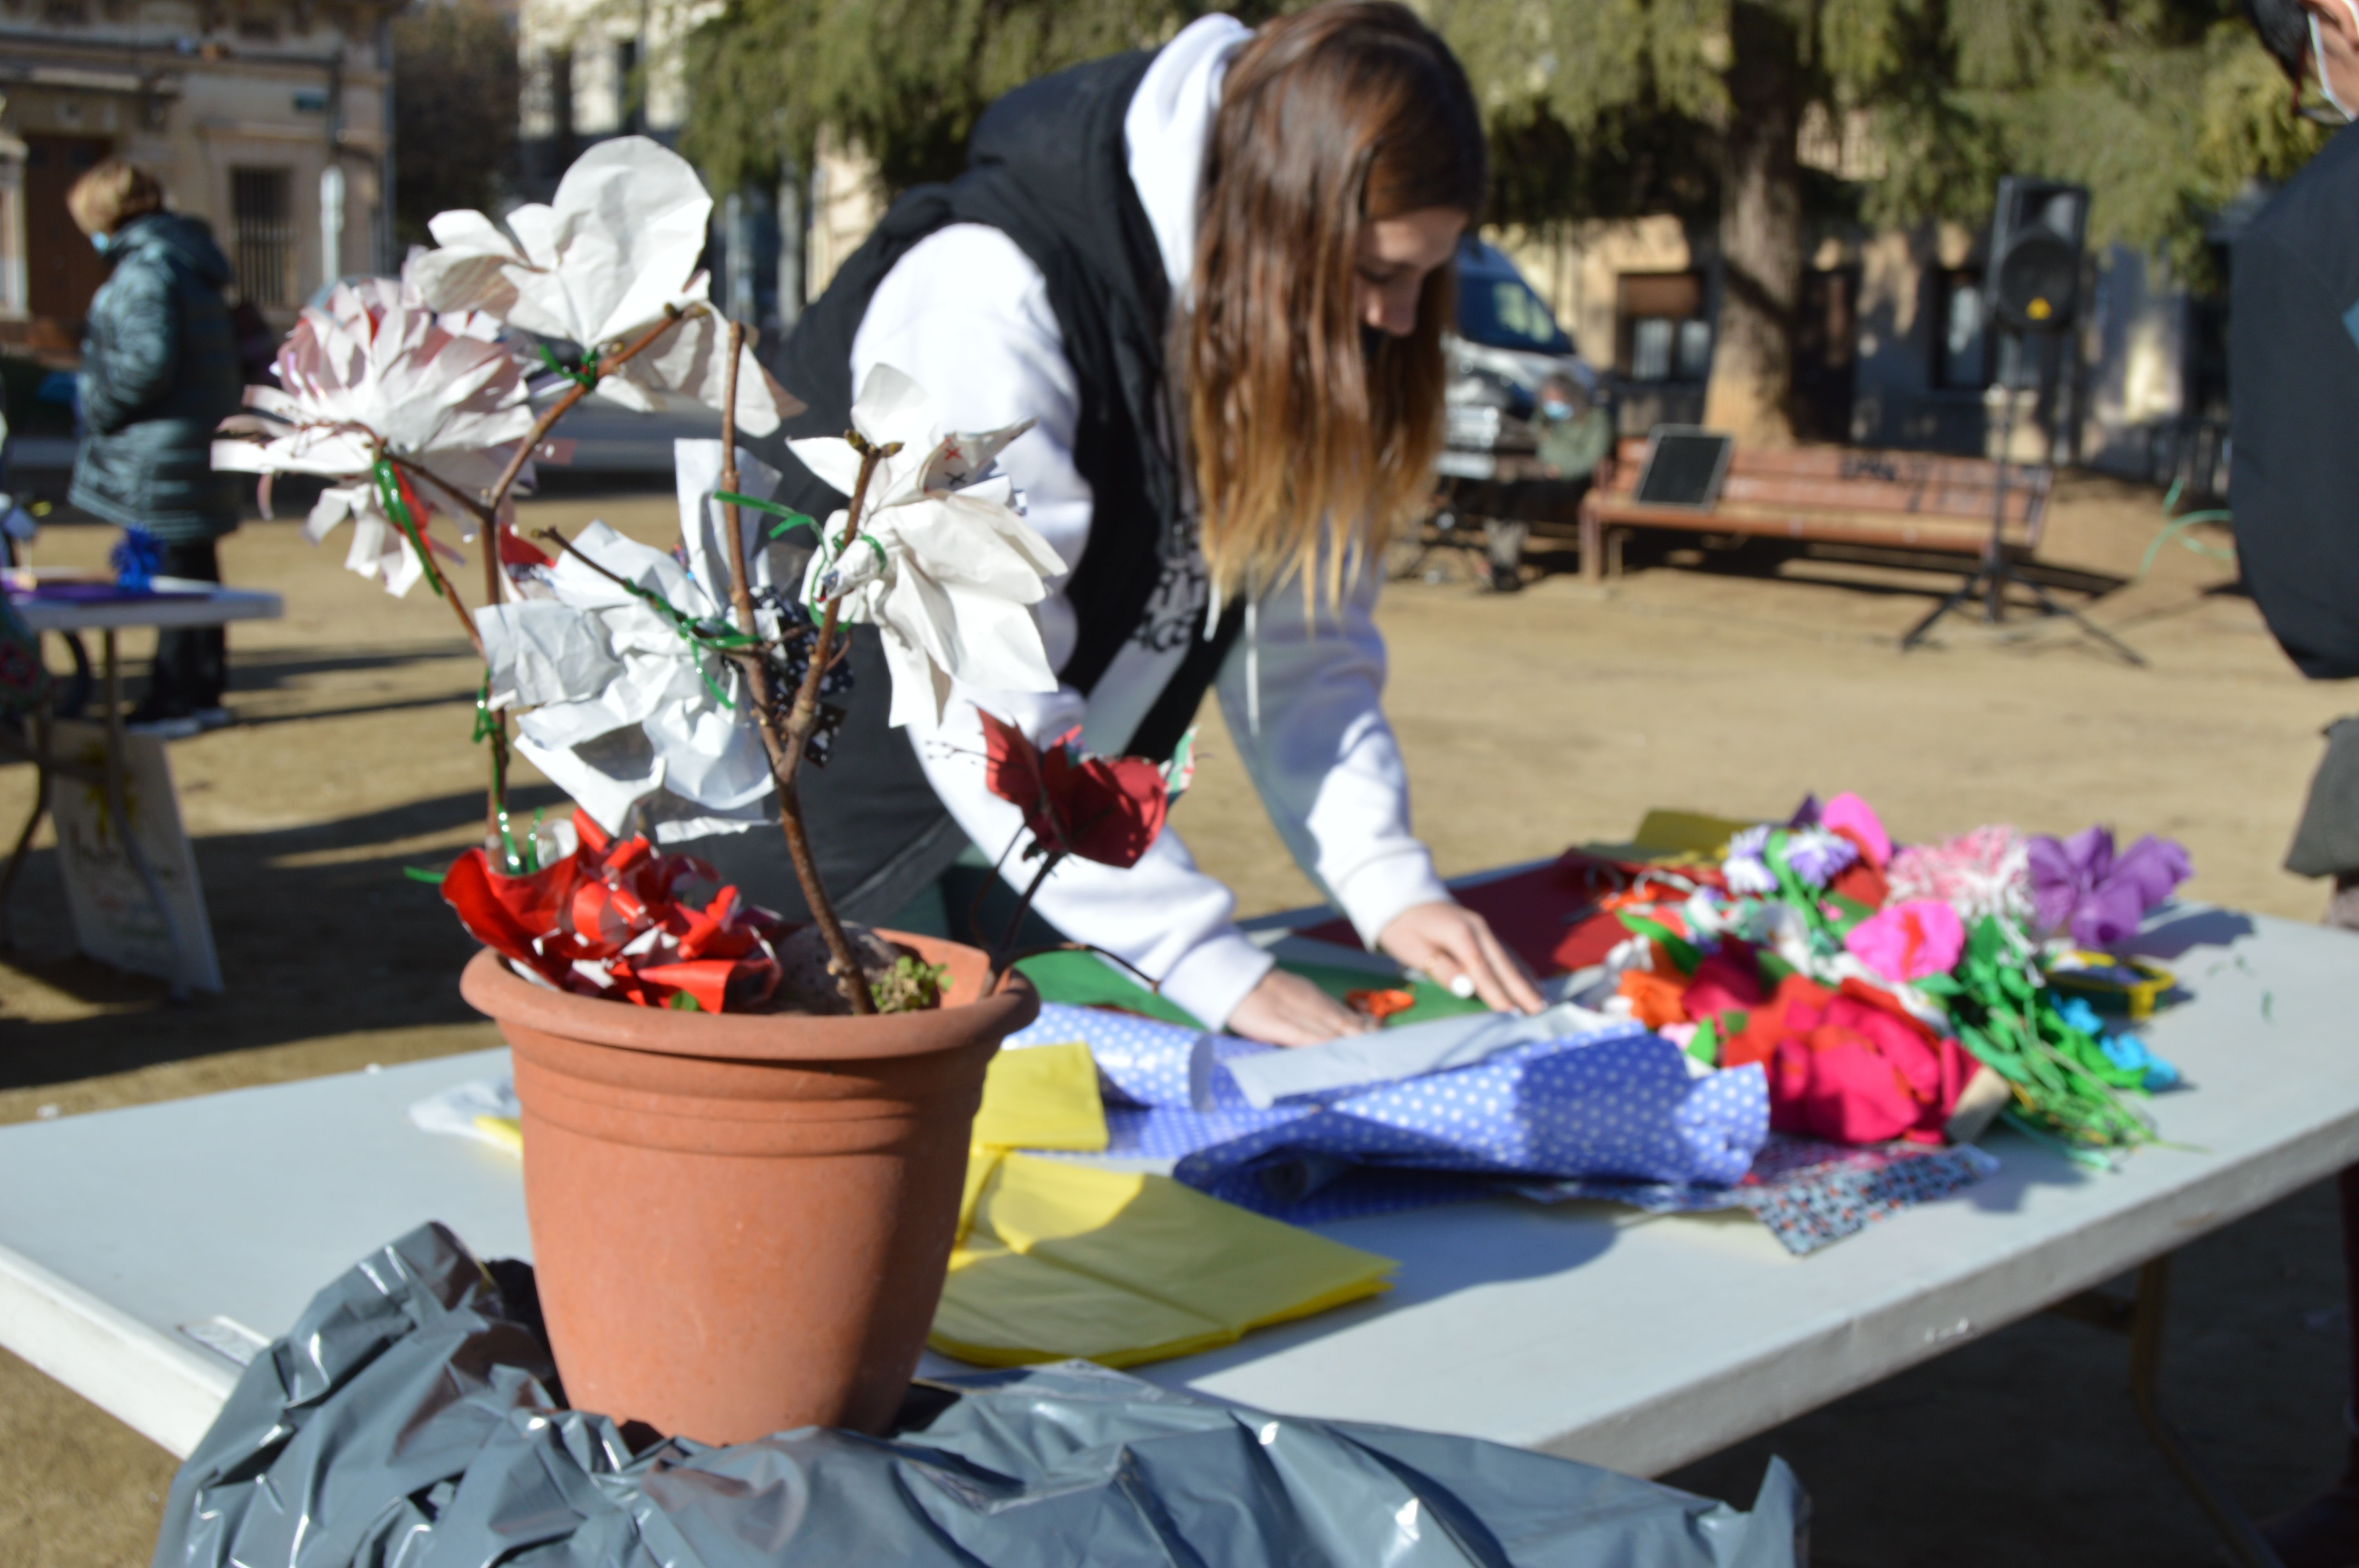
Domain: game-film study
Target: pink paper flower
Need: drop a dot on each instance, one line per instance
(1986, 871)
(1856, 820)
(1909, 941)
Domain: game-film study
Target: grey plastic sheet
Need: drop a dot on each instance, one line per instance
(411, 1419)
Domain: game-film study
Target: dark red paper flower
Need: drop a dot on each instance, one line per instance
(1107, 809)
(616, 910)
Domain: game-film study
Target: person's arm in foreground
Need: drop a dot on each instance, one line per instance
(1303, 704)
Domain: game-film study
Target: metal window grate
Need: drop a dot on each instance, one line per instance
(262, 227)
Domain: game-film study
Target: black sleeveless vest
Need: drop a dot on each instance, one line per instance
(1047, 168)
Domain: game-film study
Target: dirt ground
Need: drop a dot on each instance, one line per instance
(1722, 683)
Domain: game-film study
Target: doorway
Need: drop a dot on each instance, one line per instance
(1826, 353)
(62, 268)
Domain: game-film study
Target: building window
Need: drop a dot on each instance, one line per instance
(262, 230)
(1961, 346)
(1663, 333)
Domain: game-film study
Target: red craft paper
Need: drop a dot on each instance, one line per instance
(1861, 882)
(508, 915)
(1850, 1064)
(1725, 981)
(1379, 1004)
(520, 552)
(607, 896)
(706, 979)
(1550, 916)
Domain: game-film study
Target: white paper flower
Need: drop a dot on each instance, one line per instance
(601, 265)
(376, 367)
(626, 715)
(945, 566)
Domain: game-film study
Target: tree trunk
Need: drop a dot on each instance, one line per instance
(1760, 232)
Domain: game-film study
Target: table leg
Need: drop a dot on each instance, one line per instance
(2244, 1542)
(117, 815)
(2143, 1319)
(41, 743)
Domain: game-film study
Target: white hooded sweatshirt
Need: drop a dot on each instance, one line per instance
(967, 314)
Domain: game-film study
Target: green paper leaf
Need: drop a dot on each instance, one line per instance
(794, 519)
(1704, 1046)
(1682, 952)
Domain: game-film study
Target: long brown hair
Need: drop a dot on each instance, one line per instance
(1298, 424)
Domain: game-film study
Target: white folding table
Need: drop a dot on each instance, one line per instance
(182, 602)
(142, 1251)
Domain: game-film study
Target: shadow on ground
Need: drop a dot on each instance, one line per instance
(314, 923)
(2024, 1447)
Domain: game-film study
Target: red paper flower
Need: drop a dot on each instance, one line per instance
(1850, 1064)
(609, 919)
(1107, 809)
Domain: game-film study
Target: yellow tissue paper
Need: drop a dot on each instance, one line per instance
(1044, 1097)
(1063, 1259)
(1686, 833)
(506, 1131)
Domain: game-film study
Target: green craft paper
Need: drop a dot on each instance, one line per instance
(1704, 1045)
(1848, 913)
(1683, 953)
(1086, 981)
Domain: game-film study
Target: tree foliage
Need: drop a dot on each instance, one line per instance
(2165, 109)
(455, 85)
(1598, 108)
(903, 79)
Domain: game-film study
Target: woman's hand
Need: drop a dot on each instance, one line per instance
(1448, 940)
(1287, 1009)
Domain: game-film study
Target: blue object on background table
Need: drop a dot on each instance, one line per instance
(135, 558)
(406, 1418)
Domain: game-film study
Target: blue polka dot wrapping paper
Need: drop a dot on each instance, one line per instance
(1615, 1113)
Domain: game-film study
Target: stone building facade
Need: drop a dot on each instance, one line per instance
(269, 119)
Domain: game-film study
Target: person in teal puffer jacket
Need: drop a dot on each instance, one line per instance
(159, 371)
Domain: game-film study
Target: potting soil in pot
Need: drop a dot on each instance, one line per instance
(408, 1418)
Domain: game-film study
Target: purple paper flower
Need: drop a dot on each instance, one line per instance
(1816, 855)
(2079, 885)
(1743, 868)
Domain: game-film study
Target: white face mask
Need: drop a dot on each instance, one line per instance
(2318, 56)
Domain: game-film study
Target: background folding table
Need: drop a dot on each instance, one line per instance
(178, 603)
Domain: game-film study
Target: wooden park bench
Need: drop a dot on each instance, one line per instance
(1881, 501)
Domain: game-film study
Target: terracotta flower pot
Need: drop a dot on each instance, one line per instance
(740, 1222)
